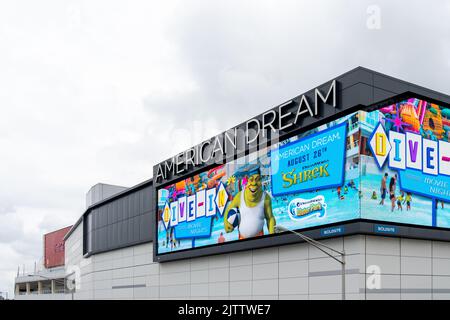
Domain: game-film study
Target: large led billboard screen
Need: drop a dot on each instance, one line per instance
(389, 165)
(305, 181)
(405, 163)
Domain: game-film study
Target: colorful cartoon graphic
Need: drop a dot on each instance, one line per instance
(407, 159)
(235, 201)
(254, 205)
(389, 165)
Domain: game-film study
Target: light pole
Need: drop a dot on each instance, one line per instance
(320, 246)
(63, 282)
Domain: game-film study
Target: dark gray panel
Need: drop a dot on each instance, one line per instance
(125, 209)
(135, 199)
(105, 214)
(89, 242)
(360, 94)
(130, 206)
(102, 214)
(124, 227)
(88, 220)
(355, 76)
(95, 219)
(115, 238)
(136, 229)
(380, 94)
(148, 199)
(130, 230)
(147, 202)
(390, 84)
(95, 222)
(424, 91)
(96, 239)
(120, 233)
(145, 227)
(136, 204)
(109, 213)
(110, 233)
(98, 218)
(118, 222)
(103, 238)
(115, 209)
(141, 201)
(120, 211)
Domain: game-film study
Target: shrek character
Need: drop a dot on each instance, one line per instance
(254, 206)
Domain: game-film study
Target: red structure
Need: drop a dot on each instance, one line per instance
(54, 248)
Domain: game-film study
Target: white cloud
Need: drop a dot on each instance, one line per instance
(98, 90)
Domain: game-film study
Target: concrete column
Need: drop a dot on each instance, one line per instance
(28, 287)
(39, 287)
(53, 286)
(17, 289)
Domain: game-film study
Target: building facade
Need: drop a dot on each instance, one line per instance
(409, 269)
(49, 278)
(138, 243)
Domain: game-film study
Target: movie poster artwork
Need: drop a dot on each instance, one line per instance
(306, 181)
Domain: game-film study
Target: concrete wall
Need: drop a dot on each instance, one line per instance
(410, 269)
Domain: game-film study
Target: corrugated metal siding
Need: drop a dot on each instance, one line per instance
(121, 222)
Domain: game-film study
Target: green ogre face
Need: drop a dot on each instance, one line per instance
(253, 189)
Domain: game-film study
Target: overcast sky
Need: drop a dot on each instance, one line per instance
(99, 91)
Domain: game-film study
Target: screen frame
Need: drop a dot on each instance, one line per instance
(350, 227)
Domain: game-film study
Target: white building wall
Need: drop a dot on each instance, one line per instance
(82, 267)
(410, 269)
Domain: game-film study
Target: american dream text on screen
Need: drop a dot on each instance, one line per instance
(410, 151)
(204, 203)
(310, 163)
(320, 142)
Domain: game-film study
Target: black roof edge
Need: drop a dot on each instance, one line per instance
(355, 69)
(400, 80)
(107, 200)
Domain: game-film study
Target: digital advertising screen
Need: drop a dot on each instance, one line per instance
(305, 181)
(405, 163)
(389, 165)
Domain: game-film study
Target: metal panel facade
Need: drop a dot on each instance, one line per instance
(119, 222)
(358, 89)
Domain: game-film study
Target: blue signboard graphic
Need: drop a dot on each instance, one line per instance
(415, 181)
(312, 163)
(385, 229)
(332, 231)
(197, 229)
